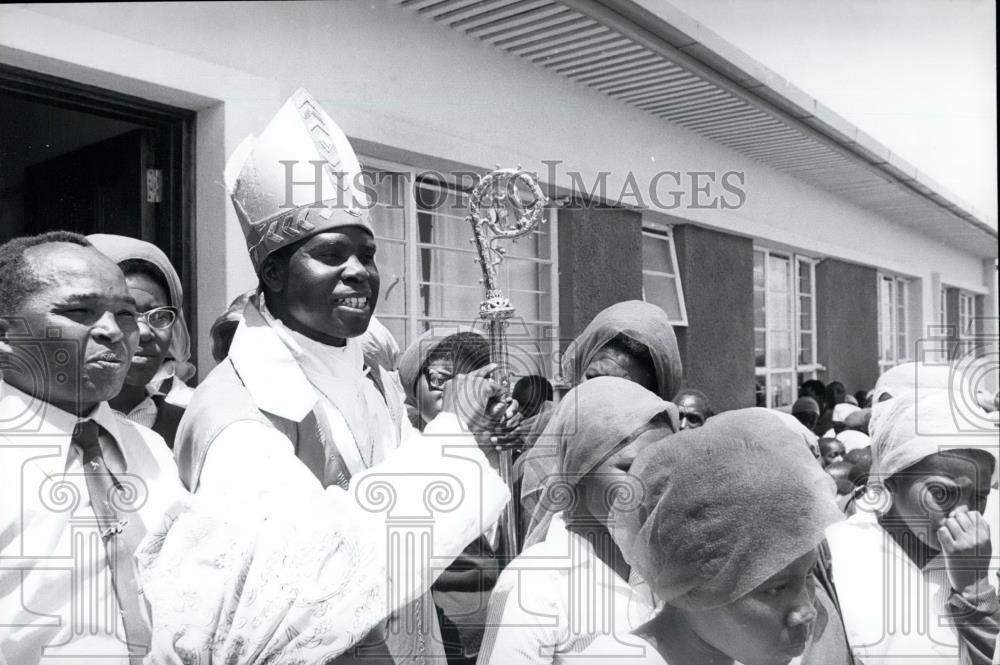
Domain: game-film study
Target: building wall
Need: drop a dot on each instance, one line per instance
(847, 324)
(435, 92)
(717, 344)
(600, 264)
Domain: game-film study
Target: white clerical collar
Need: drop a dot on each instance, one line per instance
(269, 370)
(343, 361)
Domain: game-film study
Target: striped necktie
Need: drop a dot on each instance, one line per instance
(114, 505)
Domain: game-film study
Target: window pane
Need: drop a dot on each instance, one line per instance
(760, 391)
(387, 193)
(781, 350)
(805, 349)
(885, 294)
(528, 305)
(448, 266)
(662, 291)
(519, 274)
(778, 274)
(779, 316)
(759, 318)
(534, 245)
(390, 258)
(758, 343)
(529, 350)
(782, 389)
(451, 301)
(449, 232)
(758, 270)
(805, 277)
(805, 314)
(397, 326)
(656, 253)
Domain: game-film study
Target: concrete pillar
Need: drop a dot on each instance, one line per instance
(600, 263)
(847, 323)
(716, 271)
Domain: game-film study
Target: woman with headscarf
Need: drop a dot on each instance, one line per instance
(571, 581)
(460, 593)
(431, 361)
(913, 565)
(154, 393)
(726, 535)
(906, 378)
(631, 340)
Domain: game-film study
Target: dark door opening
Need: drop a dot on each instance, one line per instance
(83, 159)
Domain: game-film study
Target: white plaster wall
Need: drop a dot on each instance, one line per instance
(388, 76)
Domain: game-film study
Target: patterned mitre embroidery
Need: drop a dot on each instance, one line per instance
(303, 130)
(339, 172)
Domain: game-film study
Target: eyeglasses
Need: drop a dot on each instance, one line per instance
(160, 318)
(437, 378)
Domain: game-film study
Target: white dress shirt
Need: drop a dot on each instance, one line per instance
(56, 596)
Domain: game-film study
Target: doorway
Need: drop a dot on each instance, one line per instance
(84, 159)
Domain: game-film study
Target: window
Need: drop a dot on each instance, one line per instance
(893, 321)
(966, 314)
(661, 283)
(943, 305)
(966, 323)
(429, 273)
(784, 301)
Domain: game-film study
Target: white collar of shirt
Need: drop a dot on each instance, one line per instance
(22, 412)
(269, 370)
(167, 371)
(144, 413)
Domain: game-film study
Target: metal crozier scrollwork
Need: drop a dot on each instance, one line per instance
(505, 204)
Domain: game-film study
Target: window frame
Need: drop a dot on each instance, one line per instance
(414, 320)
(901, 286)
(666, 233)
(966, 313)
(943, 305)
(799, 371)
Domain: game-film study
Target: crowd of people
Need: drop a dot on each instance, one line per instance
(323, 496)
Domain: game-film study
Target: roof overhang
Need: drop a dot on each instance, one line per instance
(652, 56)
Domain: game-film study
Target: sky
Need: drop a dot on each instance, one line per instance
(917, 75)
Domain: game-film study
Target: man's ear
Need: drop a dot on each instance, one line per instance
(272, 274)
